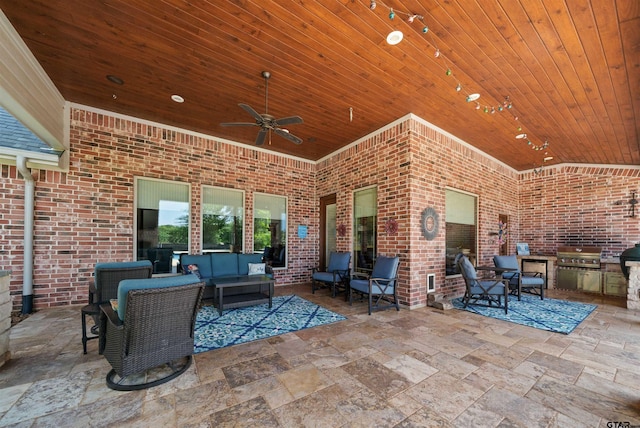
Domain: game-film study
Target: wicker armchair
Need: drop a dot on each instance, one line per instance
(103, 286)
(152, 329)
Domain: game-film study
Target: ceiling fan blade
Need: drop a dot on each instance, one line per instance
(291, 120)
(251, 111)
(286, 134)
(239, 124)
(261, 136)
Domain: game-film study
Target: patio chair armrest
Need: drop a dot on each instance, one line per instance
(489, 272)
(383, 279)
(501, 271)
(359, 275)
(107, 315)
(110, 315)
(489, 268)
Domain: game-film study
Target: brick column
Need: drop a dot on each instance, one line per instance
(633, 290)
(5, 316)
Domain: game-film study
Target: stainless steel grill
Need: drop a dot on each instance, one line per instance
(579, 268)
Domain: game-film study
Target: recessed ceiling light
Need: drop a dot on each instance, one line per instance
(395, 37)
(472, 97)
(548, 158)
(115, 79)
(177, 98)
(521, 136)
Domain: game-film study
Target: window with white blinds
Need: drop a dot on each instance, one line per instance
(365, 213)
(461, 227)
(222, 219)
(270, 228)
(162, 222)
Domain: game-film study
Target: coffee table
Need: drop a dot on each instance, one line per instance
(244, 299)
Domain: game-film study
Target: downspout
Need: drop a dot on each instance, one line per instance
(29, 197)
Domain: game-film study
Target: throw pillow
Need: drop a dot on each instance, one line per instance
(256, 268)
(192, 268)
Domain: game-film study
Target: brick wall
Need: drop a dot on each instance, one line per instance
(579, 206)
(412, 165)
(86, 215)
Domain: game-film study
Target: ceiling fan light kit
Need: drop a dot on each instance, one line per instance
(267, 122)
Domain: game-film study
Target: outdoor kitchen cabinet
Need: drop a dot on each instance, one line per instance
(615, 284)
(567, 279)
(590, 281)
(585, 280)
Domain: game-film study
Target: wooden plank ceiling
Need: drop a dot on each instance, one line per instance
(570, 69)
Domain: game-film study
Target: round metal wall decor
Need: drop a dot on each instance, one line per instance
(429, 223)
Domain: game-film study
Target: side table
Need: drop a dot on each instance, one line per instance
(90, 310)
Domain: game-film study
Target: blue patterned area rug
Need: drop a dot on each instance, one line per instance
(287, 314)
(559, 316)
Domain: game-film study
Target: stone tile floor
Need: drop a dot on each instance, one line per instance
(413, 368)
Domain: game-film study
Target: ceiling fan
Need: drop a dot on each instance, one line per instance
(267, 122)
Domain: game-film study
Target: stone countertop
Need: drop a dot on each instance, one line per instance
(615, 260)
(538, 257)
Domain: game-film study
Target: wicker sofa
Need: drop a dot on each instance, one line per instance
(213, 266)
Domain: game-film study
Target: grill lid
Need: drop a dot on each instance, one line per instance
(581, 251)
(579, 257)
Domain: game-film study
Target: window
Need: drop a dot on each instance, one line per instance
(461, 231)
(270, 228)
(365, 213)
(222, 220)
(161, 222)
